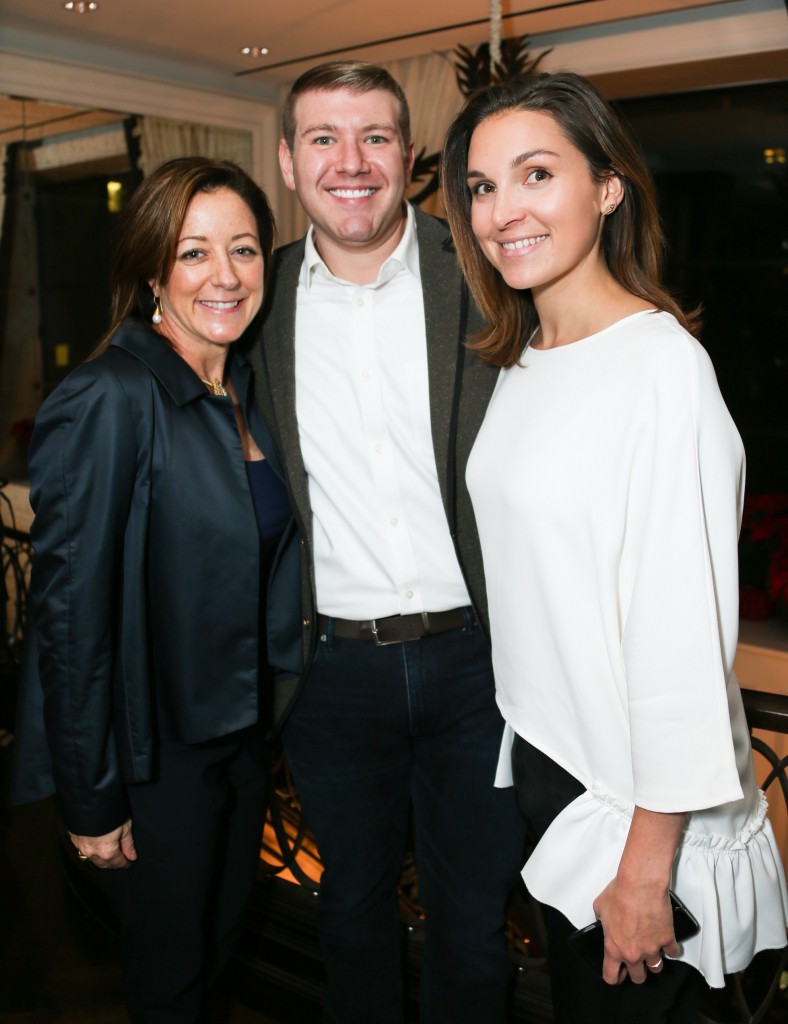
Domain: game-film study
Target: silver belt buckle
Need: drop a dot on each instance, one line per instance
(373, 623)
(425, 619)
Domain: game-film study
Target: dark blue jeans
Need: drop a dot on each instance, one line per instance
(377, 731)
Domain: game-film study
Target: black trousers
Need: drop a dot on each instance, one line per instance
(579, 995)
(197, 829)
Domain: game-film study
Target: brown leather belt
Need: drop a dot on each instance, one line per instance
(395, 629)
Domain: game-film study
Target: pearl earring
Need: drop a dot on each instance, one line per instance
(156, 318)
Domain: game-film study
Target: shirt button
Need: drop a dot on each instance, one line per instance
(379, 448)
(360, 301)
(393, 520)
(366, 374)
(408, 593)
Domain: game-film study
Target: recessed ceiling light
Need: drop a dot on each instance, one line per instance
(254, 51)
(80, 6)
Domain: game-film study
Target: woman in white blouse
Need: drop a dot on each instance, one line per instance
(607, 481)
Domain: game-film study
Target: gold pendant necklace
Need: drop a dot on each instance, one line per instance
(216, 388)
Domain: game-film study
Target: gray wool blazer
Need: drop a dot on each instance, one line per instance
(460, 386)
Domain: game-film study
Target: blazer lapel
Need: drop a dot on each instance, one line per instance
(440, 281)
(441, 284)
(278, 366)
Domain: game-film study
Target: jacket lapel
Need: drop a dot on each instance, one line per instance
(277, 351)
(441, 289)
(442, 285)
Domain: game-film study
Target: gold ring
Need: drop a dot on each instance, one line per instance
(656, 966)
(82, 856)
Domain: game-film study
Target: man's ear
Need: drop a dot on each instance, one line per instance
(410, 156)
(286, 164)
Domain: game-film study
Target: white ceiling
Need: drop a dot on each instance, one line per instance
(207, 35)
(197, 43)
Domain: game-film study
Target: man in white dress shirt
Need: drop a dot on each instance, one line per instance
(364, 376)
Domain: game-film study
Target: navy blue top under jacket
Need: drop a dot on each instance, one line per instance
(145, 594)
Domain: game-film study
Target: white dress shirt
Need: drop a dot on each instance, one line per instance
(381, 539)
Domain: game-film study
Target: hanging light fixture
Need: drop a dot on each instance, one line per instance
(80, 6)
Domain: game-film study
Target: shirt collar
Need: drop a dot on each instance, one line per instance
(405, 257)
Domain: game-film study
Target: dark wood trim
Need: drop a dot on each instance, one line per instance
(746, 69)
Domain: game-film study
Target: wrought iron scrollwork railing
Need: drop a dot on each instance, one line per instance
(769, 712)
(288, 846)
(749, 996)
(754, 992)
(289, 850)
(17, 555)
(15, 558)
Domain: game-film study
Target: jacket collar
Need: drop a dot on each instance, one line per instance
(175, 376)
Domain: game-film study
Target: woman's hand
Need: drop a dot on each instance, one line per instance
(638, 924)
(635, 907)
(114, 850)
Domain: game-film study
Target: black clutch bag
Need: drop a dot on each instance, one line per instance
(589, 942)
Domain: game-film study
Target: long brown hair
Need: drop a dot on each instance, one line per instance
(147, 232)
(632, 239)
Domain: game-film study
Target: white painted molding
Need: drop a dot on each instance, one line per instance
(736, 29)
(25, 75)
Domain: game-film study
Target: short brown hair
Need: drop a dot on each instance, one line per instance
(355, 75)
(149, 227)
(632, 240)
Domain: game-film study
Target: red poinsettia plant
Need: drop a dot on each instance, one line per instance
(763, 556)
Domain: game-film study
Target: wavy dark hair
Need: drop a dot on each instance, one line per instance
(146, 236)
(632, 240)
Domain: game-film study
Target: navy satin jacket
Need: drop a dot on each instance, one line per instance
(145, 599)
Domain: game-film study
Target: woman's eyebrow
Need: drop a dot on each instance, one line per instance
(529, 155)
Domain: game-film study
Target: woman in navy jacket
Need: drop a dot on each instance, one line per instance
(165, 557)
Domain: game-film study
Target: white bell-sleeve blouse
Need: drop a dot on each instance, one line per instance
(607, 481)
